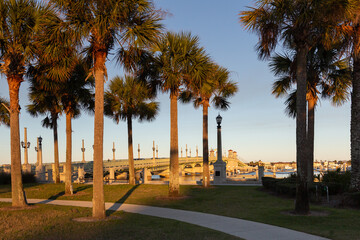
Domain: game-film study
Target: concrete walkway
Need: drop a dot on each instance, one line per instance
(237, 227)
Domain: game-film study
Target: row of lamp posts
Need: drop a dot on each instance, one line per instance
(219, 165)
(25, 144)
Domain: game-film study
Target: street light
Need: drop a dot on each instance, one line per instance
(218, 120)
(25, 144)
(219, 165)
(38, 149)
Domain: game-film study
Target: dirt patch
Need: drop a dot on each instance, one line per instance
(312, 213)
(172, 198)
(91, 219)
(11, 208)
(76, 194)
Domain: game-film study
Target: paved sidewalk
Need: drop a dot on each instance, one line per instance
(237, 227)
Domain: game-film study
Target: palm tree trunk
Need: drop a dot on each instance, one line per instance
(68, 172)
(355, 125)
(206, 172)
(302, 198)
(130, 151)
(310, 138)
(17, 191)
(174, 186)
(56, 150)
(98, 174)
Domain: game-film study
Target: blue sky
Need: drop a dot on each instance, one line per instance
(255, 126)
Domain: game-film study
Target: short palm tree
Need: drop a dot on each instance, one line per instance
(177, 57)
(215, 88)
(128, 99)
(46, 102)
(103, 23)
(300, 24)
(19, 24)
(4, 112)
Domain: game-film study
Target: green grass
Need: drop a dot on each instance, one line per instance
(55, 222)
(240, 202)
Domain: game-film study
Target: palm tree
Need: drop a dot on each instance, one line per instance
(348, 32)
(102, 23)
(19, 23)
(177, 54)
(327, 76)
(75, 95)
(300, 24)
(126, 99)
(4, 112)
(215, 88)
(46, 102)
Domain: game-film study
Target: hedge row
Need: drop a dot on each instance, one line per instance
(5, 178)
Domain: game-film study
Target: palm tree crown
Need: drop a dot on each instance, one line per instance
(4, 112)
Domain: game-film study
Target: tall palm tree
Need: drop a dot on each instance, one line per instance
(4, 112)
(176, 55)
(126, 99)
(19, 23)
(46, 102)
(327, 76)
(349, 34)
(301, 24)
(216, 88)
(103, 23)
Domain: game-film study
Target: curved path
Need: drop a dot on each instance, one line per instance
(237, 227)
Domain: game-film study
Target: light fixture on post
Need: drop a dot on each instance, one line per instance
(25, 144)
(219, 165)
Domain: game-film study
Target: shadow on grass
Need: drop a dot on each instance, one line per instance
(118, 203)
(76, 190)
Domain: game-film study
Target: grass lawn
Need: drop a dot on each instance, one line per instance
(55, 222)
(241, 202)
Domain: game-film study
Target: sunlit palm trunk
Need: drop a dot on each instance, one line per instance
(174, 187)
(302, 200)
(355, 125)
(310, 139)
(68, 172)
(56, 151)
(98, 188)
(206, 172)
(17, 191)
(130, 151)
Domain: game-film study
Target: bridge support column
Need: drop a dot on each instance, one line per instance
(112, 175)
(260, 173)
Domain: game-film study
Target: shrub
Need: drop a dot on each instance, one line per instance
(286, 188)
(269, 183)
(5, 178)
(28, 178)
(337, 181)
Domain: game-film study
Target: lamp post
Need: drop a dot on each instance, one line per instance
(25, 145)
(83, 152)
(38, 149)
(153, 148)
(219, 165)
(114, 151)
(139, 151)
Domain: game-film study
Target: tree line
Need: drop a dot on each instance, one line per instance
(61, 48)
(321, 40)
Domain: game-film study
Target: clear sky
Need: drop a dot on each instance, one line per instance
(255, 126)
